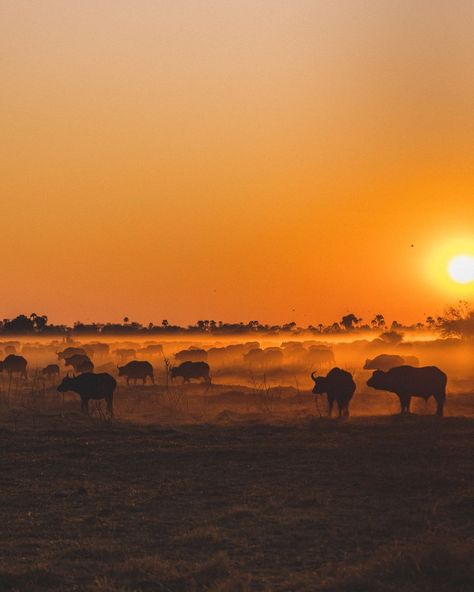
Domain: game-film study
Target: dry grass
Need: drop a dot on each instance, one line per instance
(366, 505)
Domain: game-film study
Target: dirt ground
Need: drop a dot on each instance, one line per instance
(176, 495)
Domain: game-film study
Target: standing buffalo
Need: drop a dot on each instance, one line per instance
(80, 363)
(387, 361)
(339, 386)
(137, 370)
(193, 354)
(125, 354)
(50, 371)
(91, 386)
(188, 370)
(13, 364)
(407, 382)
(71, 351)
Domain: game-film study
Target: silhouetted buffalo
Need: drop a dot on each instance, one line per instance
(339, 386)
(320, 355)
(50, 371)
(407, 382)
(125, 354)
(193, 354)
(13, 364)
(91, 386)
(80, 363)
(188, 370)
(387, 361)
(71, 351)
(268, 357)
(97, 349)
(137, 370)
(152, 349)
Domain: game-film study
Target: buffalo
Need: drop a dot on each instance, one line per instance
(50, 371)
(188, 370)
(137, 370)
(80, 363)
(387, 361)
(97, 349)
(193, 354)
(125, 354)
(14, 364)
(407, 382)
(339, 386)
(71, 351)
(91, 386)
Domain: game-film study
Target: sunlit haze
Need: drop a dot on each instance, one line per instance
(271, 160)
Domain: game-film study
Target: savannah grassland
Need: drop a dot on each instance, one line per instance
(234, 488)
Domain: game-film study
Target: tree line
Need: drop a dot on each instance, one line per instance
(457, 320)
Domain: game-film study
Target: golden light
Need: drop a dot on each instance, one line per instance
(461, 269)
(448, 265)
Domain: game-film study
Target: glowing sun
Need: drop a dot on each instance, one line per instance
(461, 269)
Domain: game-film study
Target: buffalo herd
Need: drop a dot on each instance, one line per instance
(392, 373)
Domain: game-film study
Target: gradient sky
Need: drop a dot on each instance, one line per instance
(235, 159)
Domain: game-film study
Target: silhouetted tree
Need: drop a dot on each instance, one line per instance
(349, 321)
(458, 320)
(378, 321)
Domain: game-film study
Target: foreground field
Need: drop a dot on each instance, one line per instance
(366, 505)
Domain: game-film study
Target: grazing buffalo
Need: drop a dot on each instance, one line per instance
(50, 371)
(339, 386)
(152, 349)
(387, 361)
(188, 370)
(136, 370)
(71, 351)
(13, 364)
(80, 363)
(407, 382)
(91, 386)
(193, 354)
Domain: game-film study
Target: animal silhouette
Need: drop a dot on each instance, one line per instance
(189, 370)
(80, 363)
(91, 386)
(50, 371)
(14, 364)
(407, 382)
(137, 370)
(339, 387)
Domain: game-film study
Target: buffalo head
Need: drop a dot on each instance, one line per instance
(66, 384)
(319, 384)
(378, 380)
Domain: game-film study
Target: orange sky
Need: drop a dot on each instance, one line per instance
(236, 159)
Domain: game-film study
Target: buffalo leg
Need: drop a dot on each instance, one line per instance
(440, 405)
(330, 406)
(407, 405)
(402, 404)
